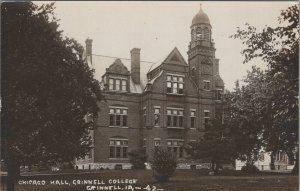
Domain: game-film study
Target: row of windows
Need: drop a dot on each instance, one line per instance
(117, 84)
(175, 85)
(118, 117)
(175, 146)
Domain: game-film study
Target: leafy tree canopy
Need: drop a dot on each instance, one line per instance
(47, 88)
(275, 91)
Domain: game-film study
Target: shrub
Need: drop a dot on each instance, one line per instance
(137, 158)
(163, 164)
(249, 168)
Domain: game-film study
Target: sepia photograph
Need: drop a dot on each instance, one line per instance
(149, 96)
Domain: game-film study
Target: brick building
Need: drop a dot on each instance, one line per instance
(147, 105)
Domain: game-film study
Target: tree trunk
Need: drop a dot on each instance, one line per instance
(11, 175)
(213, 165)
(296, 167)
(272, 166)
(217, 167)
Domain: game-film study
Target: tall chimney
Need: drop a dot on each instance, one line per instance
(135, 65)
(88, 50)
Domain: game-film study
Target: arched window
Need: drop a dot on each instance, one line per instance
(199, 34)
(206, 34)
(193, 34)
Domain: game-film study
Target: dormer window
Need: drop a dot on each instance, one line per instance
(116, 84)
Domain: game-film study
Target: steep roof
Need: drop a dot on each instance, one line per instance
(102, 64)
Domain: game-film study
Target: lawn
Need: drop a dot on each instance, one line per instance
(183, 180)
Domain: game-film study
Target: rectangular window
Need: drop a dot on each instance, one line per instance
(118, 120)
(124, 85)
(168, 120)
(174, 117)
(124, 120)
(175, 88)
(111, 152)
(118, 117)
(111, 119)
(193, 119)
(156, 116)
(206, 85)
(206, 117)
(175, 84)
(180, 88)
(219, 94)
(117, 84)
(124, 152)
(111, 84)
(118, 148)
(169, 87)
(176, 146)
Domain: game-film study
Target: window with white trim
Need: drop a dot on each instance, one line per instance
(118, 117)
(116, 84)
(175, 84)
(118, 148)
(193, 119)
(176, 146)
(174, 117)
(206, 84)
(156, 116)
(206, 117)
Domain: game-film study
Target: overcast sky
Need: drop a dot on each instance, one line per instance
(157, 27)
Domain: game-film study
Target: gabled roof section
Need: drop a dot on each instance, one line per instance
(118, 68)
(175, 58)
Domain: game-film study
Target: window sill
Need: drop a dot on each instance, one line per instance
(118, 158)
(118, 127)
(193, 128)
(120, 91)
(175, 94)
(175, 127)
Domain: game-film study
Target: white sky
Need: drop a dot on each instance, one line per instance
(157, 27)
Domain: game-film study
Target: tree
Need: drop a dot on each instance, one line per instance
(47, 89)
(247, 116)
(279, 48)
(163, 163)
(216, 145)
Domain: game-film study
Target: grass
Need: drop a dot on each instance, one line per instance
(183, 180)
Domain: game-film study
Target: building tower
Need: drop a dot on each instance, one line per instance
(203, 66)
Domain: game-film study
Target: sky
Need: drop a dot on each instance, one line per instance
(157, 27)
